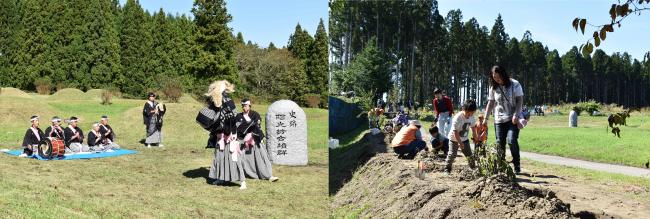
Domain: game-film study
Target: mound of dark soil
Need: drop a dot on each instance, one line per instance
(386, 187)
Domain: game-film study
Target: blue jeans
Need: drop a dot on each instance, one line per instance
(510, 132)
(409, 151)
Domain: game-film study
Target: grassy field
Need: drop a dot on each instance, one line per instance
(167, 182)
(590, 140)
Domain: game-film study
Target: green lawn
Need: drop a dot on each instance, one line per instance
(164, 182)
(590, 140)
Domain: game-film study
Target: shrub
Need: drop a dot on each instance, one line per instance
(43, 85)
(491, 164)
(107, 97)
(173, 91)
(61, 86)
(108, 93)
(313, 100)
(590, 107)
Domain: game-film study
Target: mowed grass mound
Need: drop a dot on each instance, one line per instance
(70, 94)
(13, 92)
(591, 140)
(167, 182)
(95, 94)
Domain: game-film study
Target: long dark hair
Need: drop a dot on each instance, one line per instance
(502, 72)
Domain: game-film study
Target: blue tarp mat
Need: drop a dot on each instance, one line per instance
(114, 153)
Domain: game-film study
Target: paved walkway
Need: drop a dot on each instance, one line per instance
(611, 168)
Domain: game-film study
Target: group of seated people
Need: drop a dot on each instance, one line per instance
(100, 138)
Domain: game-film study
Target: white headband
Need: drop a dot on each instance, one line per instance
(34, 119)
(246, 103)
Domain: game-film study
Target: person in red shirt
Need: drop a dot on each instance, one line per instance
(444, 111)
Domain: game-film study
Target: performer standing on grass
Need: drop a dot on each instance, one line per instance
(33, 137)
(257, 164)
(227, 165)
(152, 114)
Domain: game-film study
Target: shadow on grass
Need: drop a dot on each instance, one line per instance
(201, 172)
(344, 161)
(204, 172)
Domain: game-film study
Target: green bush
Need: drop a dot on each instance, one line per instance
(589, 107)
(491, 164)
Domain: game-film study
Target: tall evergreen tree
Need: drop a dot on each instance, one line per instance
(9, 27)
(318, 62)
(498, 39)
(34, 40)
(214, 43)
(240, 38)
(136, 44)
(299, 43)
(101, 46)
(162, 34)
(271, 46)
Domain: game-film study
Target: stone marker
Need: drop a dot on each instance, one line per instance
(286, 133)
(573, 119)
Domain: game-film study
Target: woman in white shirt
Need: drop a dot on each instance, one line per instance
(505, 98)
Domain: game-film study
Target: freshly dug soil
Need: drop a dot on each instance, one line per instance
(387, 187)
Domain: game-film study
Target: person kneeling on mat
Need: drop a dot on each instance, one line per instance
(96, 141)
(74, 137)
(107, 133)
(33, 137)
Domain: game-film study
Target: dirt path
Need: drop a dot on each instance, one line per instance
(600, 197)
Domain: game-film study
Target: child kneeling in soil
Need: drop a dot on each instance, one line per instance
(459, 132)
(438, 141)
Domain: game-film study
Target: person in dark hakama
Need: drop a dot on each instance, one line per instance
(257, 164)
(55, 131)
(227, 165)
(97, 141)
(74, 137)
(107, 133)
(33, 137)
(153, 113)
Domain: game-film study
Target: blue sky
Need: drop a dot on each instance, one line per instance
(260, 21)
(549, 21)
